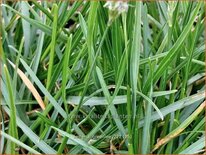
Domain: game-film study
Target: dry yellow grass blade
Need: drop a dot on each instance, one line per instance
(30, 86)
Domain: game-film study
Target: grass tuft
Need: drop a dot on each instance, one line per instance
(102, 77)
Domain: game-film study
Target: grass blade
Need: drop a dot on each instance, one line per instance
(13, 127)
(90, 149)
(19, 143)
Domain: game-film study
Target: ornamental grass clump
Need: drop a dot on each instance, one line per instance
(101, 77)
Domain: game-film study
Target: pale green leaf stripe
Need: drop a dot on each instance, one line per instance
(3, 102)
(39, 50)
(83, 24)
(176, 106)
(89, 148)
(163, 93)
(26, 28)
(44, 90)
(93, 101)
(34, 138)
(152, 58)
(31, 150)
(121, 99)
(65, 70)
(147, 118)
(195, 61)
(135, 54)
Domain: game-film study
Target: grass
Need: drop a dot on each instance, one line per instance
(94, 77)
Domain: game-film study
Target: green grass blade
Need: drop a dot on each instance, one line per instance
(12, 124)
(90, 149)
(26, 28)
(44, 90)
(31, 150)
(135, 54)
(174, 50)
(180, 128)
(110, 102)
(35, 139)
(53, 45)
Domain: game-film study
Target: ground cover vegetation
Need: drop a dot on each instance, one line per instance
(96, 77)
